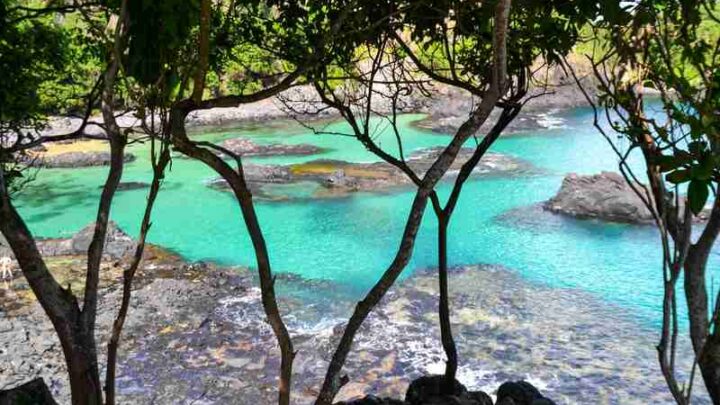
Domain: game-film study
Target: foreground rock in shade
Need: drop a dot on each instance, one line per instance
(246, 147)
(427, 390)
(33, 392)
(78, 159)
(333, 178)
(606, 196)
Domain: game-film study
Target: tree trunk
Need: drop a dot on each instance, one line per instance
(129, 274)
(59, 304)
(444, 310)
(236, 181)
(709, 364)
(83, 371)
(705, 344)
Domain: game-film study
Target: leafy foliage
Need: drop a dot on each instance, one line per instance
(671, 47)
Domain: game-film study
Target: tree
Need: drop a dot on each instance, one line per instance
(21, 119)
(482, 48)
(670, 48)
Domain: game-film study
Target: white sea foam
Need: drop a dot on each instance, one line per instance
(549, 120)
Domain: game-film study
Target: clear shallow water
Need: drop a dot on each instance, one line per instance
(352, 240)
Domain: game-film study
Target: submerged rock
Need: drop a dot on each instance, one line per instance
(605, 196)
(246, 147)
(79, 159)
(132, 185)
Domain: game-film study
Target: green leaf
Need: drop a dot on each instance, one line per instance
(678, 176)
(697, 195)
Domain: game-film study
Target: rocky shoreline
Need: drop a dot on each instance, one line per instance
(204, 338)
(446, 109)
(331, 178)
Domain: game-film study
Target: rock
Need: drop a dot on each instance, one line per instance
(246, 147)
(517, 393)
(450, 107)
(117, 242)
(543, 401)
(428, 390)
(337, 178)
(605, 196)
(427, 387)
(132, 185)
(480, 398)
(32, 392)
(340, 180)
(79, 159)
(266, 174)
(372, 400)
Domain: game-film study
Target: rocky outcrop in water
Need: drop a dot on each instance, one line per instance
(78, 159)
(246, 147)
(606, 196)
(333, 178)
(117, 243)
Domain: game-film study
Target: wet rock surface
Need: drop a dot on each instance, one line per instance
(246, 147)
(78, 159)
(606, 196)
(197, 333)
(333, 178)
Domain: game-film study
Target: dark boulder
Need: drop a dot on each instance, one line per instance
(520, 393)
(33, 392)
(428, 387)
(372, 400)
(606, 196)
(427, 390)
(479, 398)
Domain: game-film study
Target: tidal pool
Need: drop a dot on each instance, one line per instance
(352, 240)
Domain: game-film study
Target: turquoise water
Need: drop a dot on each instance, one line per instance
(352, 240)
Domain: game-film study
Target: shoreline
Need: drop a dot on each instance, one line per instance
(205, 338)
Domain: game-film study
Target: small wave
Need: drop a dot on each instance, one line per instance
(549, 120)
